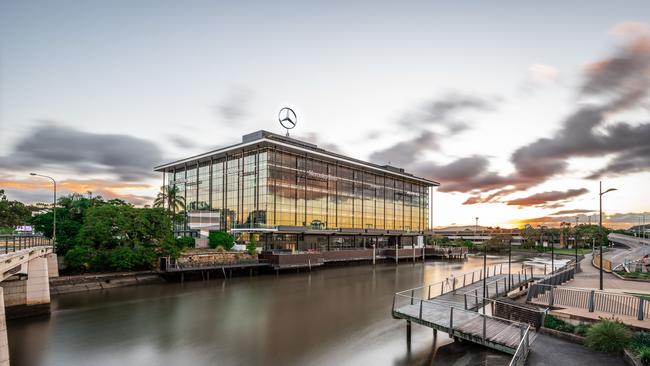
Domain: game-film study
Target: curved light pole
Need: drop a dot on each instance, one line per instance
(54, 208)
(600, 224)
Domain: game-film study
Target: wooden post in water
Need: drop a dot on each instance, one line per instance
(408, 335)
(374, 256)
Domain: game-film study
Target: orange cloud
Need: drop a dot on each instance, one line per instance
(106, 188)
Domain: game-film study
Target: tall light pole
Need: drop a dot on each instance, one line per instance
(575, 242)
(600, 224)
(54, 207)
(484, 265)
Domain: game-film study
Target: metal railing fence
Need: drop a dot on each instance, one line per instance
(13, 243)
(592, 300)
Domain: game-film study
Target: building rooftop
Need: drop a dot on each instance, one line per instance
(273, 139)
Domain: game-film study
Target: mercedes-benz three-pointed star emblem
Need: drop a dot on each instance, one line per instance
(287, 118)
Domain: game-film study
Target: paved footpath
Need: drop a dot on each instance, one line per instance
(589, 278)
(552, 351)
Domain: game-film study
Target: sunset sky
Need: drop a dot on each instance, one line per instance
(517, 108)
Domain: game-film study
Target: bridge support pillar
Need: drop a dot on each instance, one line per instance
(4, 344)
(52, 265)
(37, 288)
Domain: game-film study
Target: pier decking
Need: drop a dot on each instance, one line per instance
(451, 306)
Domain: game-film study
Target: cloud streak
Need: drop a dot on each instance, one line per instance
(54, 146)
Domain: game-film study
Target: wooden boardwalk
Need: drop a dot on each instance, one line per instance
(451, 306)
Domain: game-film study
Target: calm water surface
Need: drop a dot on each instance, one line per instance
(331, 316)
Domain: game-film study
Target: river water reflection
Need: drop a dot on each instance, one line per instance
(331, 316)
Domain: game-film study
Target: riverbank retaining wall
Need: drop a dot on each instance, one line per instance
(81, 283)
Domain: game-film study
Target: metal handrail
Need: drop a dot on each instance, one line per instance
(451, 286)
(519, 358)
(593, 300)
(14, 243)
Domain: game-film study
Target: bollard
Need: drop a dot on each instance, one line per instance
(476, 299)
(451, 322)
(465, 296)
(640, 313)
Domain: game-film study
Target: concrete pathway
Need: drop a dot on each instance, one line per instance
(589, 278)
(551, 351)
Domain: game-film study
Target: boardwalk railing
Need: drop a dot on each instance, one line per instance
(494, 332)
(592, 300)
(13, 243)
(451, 284)
(519, 358)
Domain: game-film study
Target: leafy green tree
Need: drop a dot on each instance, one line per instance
(221, 239)
(12, 213)
(252, 245)
(79, 258)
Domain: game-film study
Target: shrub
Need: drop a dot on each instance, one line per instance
(581, 329)
(640, 340)
(252, 245)
(221, 239)
(79, 258)
(609, 336)
(644, 355)
(185, 242)
(552, 322)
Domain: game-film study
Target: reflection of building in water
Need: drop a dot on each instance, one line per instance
(299, 196)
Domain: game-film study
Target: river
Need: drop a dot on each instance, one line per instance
(331, 316)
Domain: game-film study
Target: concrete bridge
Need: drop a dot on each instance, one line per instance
(25, 271)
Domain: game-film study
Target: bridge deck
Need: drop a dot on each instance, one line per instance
(454, 312)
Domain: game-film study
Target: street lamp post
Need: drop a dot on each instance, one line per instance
(600, 224)
(484, 266)
(54, 207)
(575, 242)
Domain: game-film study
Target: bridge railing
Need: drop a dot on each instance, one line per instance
(519, 358)
(13, 243)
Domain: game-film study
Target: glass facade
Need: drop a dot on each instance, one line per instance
(266, 187)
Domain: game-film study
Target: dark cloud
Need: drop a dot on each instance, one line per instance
(444, 111)
(617, 83)
(314, 139)
(546, 199)
(572, 212)
(405, 152)
(53, 146)
(440, 115)
(235, 106)
(181, 142)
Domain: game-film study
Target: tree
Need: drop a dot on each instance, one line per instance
(221, 239)
(12, 213)
(170, 196)
(252, 245)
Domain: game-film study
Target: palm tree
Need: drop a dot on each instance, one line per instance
(169, 196)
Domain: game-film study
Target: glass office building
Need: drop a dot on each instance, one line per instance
(300, 197)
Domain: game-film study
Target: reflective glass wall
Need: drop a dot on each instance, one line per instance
(269, 187)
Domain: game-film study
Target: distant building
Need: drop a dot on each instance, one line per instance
(478, 235)
(298, 196)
